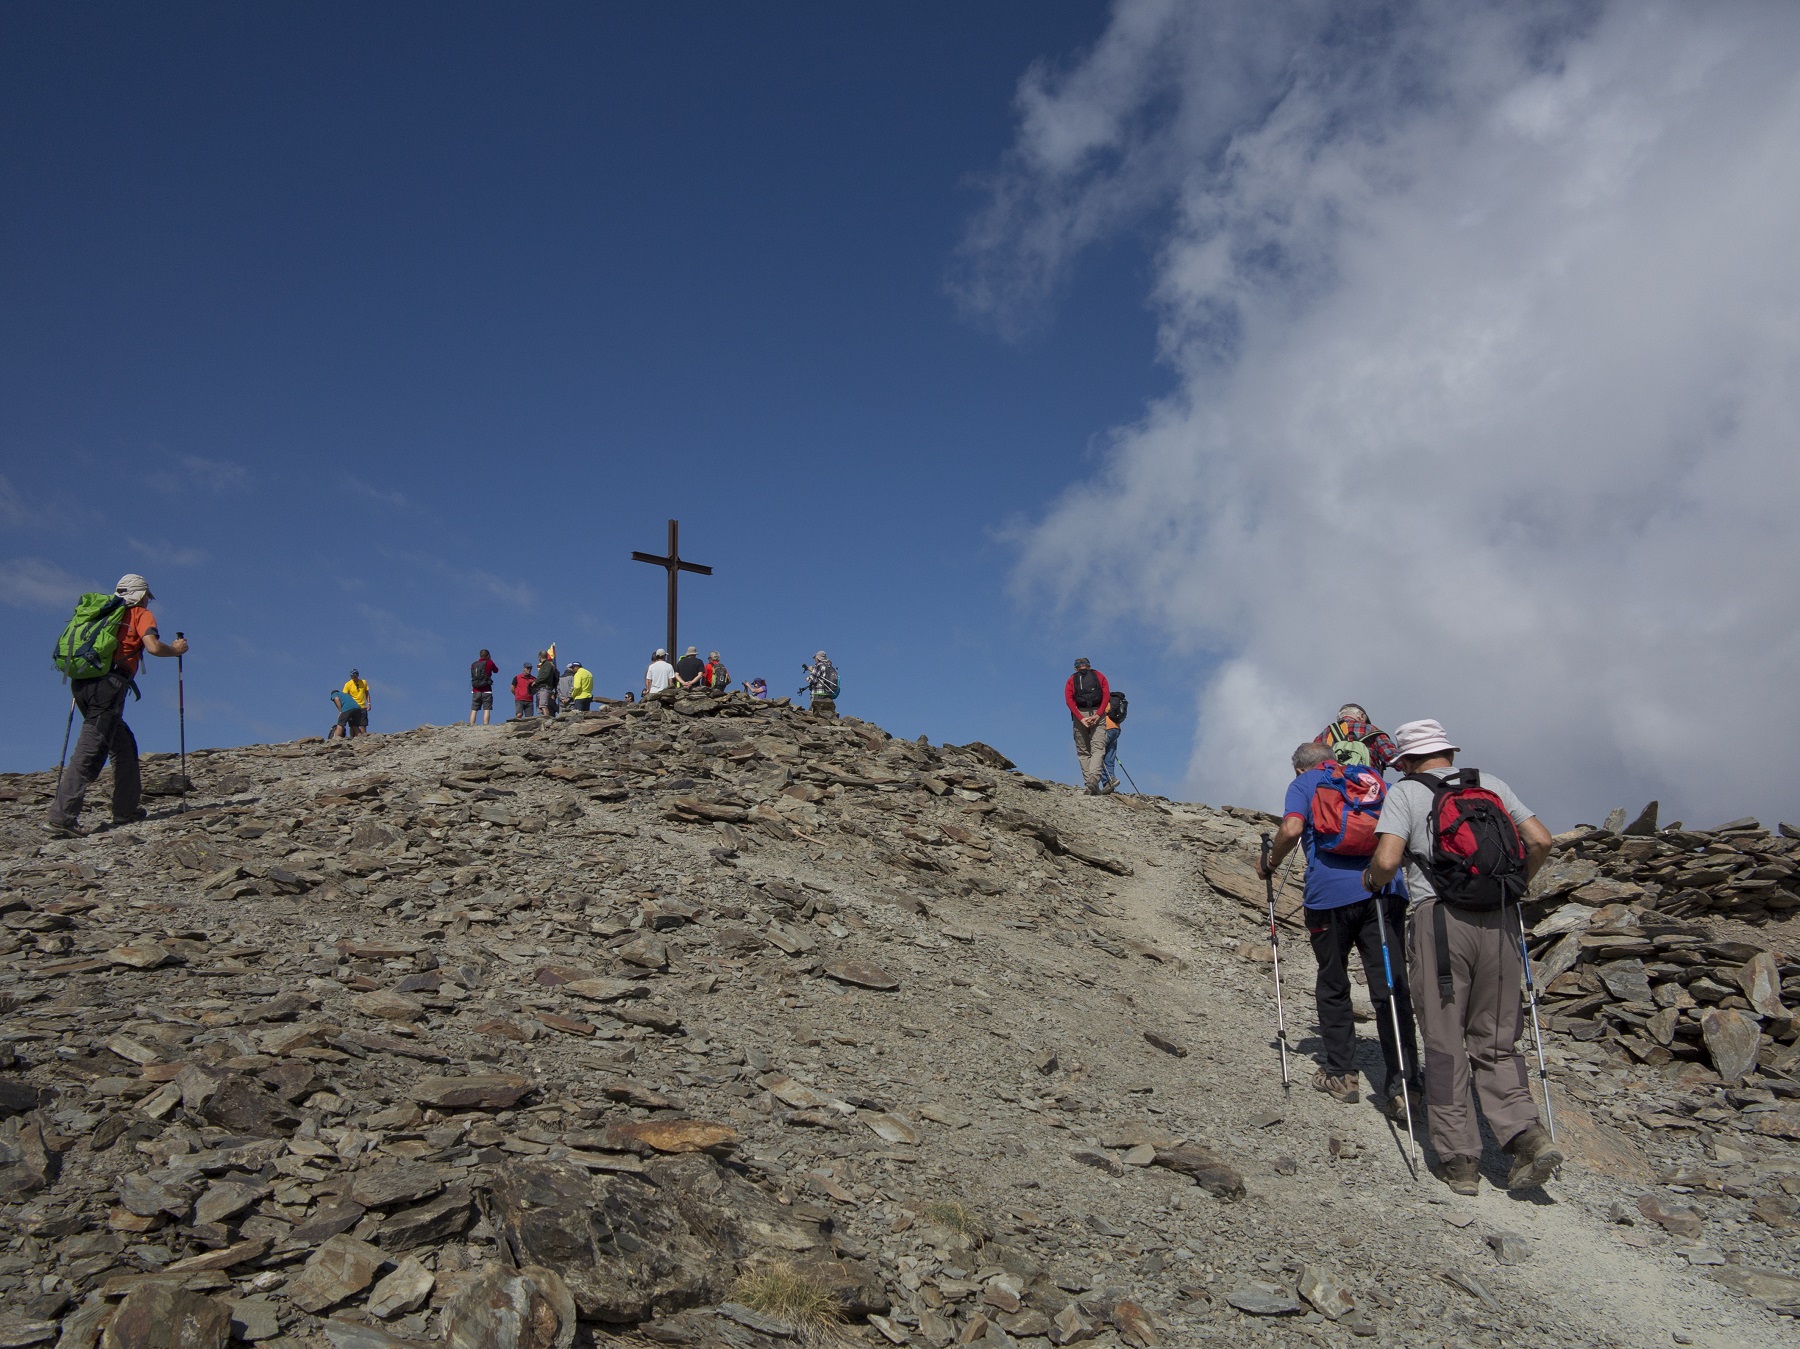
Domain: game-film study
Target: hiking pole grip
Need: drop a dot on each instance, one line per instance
(1268, 848)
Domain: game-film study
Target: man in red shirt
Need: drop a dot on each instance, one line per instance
(103, 729)
(521, 687)
(1086, 694)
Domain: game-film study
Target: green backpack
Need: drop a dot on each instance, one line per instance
(85, 649)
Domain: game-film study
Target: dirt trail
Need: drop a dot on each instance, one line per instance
(1579, 1277)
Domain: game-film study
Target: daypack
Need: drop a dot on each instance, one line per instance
(1116, 707)
(828, 680)
(721, 677)
(479, 678)
(85, 649)
(1345, 807)
(1477, 857)
(1346, 748)
(1087, 690)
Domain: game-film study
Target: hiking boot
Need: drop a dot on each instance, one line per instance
(1463, 1175)
(1108, 787)
(1342, 1088)
(120, 820)
(1534, 1159)
(65, 830)
(1394, 1107)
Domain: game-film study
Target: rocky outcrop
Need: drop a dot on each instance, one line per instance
(629, 1027)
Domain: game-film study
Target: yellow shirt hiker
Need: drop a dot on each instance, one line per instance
(358, 688)
(583, 687)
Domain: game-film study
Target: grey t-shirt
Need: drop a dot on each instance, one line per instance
(1407, 812)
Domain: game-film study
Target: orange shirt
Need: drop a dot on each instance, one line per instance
(138, 622)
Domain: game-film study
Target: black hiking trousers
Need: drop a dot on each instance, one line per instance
(1334, 932)
(104, 733)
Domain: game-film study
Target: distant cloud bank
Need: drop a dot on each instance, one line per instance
(1486, 322)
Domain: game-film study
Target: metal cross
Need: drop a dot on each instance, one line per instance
(674, 566)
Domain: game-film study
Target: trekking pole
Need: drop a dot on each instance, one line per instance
(1275, 954)
(1387, 972)
(1127, 772)
(1537, 1032)
(181, 718)
(70, 727)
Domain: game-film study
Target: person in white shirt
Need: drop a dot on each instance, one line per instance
(660, 674)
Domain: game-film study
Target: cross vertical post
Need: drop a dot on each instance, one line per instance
(674, 565)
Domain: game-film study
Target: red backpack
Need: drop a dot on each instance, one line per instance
(1477, 856)
(1345, 808)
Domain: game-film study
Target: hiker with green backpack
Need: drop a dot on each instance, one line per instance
(99, 653)
(1354, 739)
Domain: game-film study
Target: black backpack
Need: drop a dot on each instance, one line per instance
(479, 678)
(1116, 707)
(1087, 690)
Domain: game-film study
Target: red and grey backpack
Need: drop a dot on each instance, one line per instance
(1477, 859)
(1345, 808)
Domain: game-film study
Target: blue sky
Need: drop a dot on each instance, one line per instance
(373, 336)
(1270, 355)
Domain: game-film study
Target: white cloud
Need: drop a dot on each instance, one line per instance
(466, 580)
(194, 473)
(167, 555)
(395, 634)
(1487, 333)
(398, 500)
(14, 513)
(32, 583)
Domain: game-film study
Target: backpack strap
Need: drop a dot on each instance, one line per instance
(1440, 937)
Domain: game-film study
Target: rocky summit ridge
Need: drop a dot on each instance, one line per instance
(710, 1022)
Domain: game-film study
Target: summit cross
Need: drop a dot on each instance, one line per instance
(674, 565)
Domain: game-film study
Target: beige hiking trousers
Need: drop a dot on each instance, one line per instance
(1090, 749)
(1474, 1034)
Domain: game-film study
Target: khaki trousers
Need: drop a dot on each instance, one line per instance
(1090, 749)
(1473, 1034)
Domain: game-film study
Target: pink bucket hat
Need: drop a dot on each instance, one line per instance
(1417, 739)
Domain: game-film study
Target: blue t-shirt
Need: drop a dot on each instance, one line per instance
(1331, 881)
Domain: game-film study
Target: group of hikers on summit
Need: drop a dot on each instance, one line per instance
(1468, 848)
(541, 689)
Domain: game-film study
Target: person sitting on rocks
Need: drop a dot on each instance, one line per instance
(1463, 955)
(758, 689)
(1086, 694)
(1341, 916)
(660, 674)
(1353, 738)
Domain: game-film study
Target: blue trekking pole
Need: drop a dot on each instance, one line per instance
(1387, 973)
